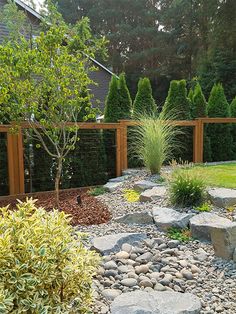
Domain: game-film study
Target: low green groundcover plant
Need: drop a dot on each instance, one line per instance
(183, 235)
(186, 188)
(97, 191)
(44, 267)
(205, 207)
(131, 196)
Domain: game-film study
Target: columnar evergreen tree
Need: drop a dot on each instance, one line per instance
(190, 94)
(112, 107)
(177, 103)
(233, 130)
(177, 106)
(125, 99)
(144, 102)
(219, 134)
(199, 110)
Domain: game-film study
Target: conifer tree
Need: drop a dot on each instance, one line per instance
(124, 98)
(144, 101)
(112, 107)
(219, 134)
(190, 95)
(233, 130)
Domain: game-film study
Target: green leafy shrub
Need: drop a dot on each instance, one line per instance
(183, 235)
(44, 267)
(153, 141)
(131, 196)
(97, 191)
(205, 207)
(186, 188)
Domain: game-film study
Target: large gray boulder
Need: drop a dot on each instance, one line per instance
(166, 218)
(224, 241)
(112, 243)
(201, 225)
(141, 218)
(141, 302)
(222, 197)
(144, 185)
(112, 186)
(153, 194)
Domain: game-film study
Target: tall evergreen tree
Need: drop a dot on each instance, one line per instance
(144, 101)
(112, 107)
(219, 134)
(124, 98)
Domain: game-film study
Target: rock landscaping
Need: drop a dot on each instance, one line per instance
(144, 271)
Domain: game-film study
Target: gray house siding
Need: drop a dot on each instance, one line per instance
(101, 77)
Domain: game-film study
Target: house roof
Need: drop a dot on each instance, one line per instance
(38, 16)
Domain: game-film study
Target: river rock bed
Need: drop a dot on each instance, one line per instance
(159, 263)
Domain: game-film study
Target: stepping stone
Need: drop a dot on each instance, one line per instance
(119, 179)
(131, 172)
(165, 302)
(144, 185)
(113, 243)
(201, 225)
(153, 194)
(224, 241)
(141, 218)
(222, 197)
(166, 218)
(112, 186)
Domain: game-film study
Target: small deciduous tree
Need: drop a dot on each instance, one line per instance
(219, 134)
(43, 83)
(144, 102)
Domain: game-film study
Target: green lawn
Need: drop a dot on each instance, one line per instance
(219, 175)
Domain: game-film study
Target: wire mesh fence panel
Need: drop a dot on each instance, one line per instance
(92, 162)
(4, 184)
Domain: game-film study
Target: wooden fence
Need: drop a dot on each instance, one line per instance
(15, 150)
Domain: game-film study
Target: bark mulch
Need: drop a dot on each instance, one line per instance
(90, 212)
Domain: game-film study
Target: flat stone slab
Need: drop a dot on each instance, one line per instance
(201, 225)
(112, 243)
(144, 185)
(141, 218)
(222, 197)
(142, 302)
(112, 186)
(153, 194)
(166, 218)
(224, 241)
(119, 179)
(131, 171)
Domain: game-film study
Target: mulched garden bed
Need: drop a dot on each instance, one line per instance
(90, 212)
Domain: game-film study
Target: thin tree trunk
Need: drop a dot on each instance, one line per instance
(57, 180)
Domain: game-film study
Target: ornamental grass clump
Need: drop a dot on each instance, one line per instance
(44, 266)
(186, 188)
(154, 141)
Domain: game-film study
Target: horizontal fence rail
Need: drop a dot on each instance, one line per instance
(15, 149)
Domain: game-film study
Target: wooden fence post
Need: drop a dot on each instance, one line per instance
(15, 163)
(198, 135)
(124, 145)
(118, 152)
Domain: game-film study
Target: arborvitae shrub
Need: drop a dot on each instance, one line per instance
(233, 130)
(144, 102)
(219, 134)
(190, 95)
(177, 105)
(125, 99)
(199, 110)
(44, 265)
(112, 107)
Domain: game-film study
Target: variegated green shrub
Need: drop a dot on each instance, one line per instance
(44, 266)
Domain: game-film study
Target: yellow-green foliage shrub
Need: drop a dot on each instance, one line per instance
(131, 196)
(44, 266)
